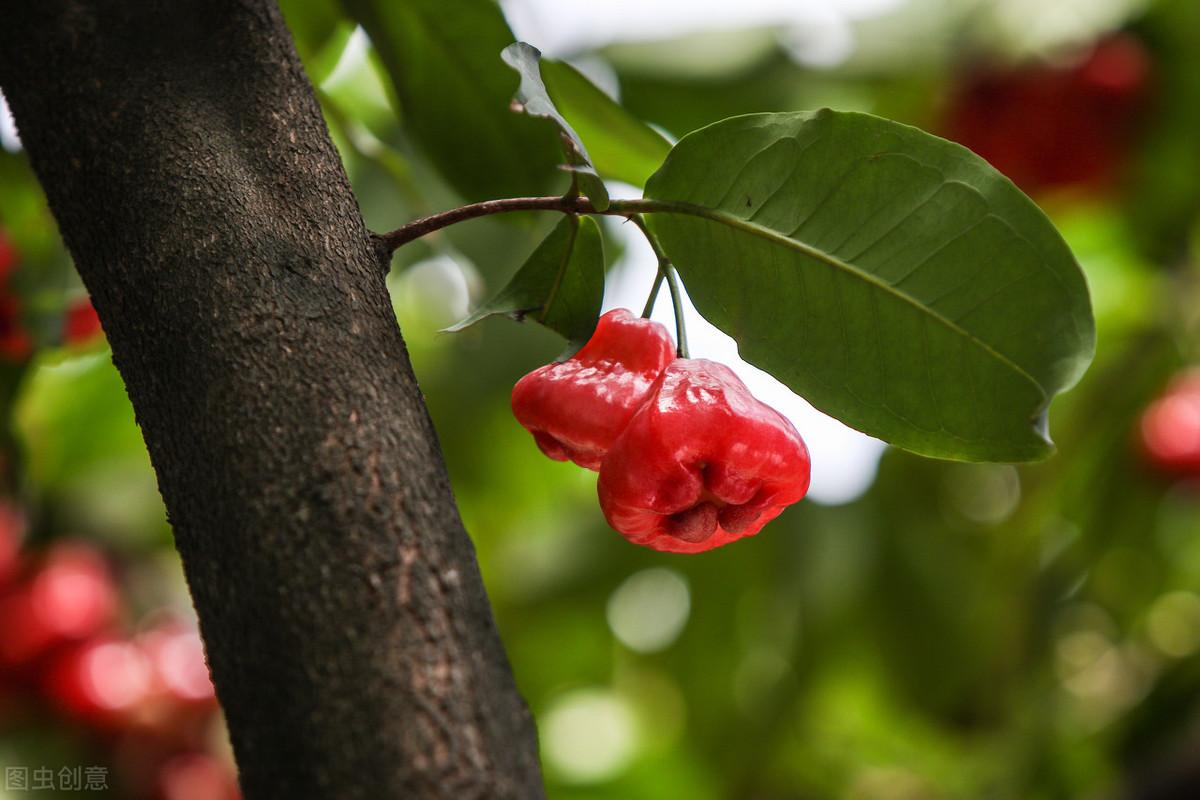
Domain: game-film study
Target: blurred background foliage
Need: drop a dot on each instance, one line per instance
(936, 630)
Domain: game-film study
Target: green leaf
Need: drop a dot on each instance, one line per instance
(358, 90)
(320, 33)
(621, 146)
(442, 59)
(534, 100)
(561, 285)
(613, 142)
(893, 279)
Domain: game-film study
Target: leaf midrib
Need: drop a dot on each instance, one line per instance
(651, 206)
(563, 264)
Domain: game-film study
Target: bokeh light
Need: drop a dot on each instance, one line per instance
(649, 609)
(588, 735)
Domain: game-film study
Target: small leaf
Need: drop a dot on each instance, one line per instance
(441, 58)
(892, 278)
(621, 146)
(533, 99)
(561, 285)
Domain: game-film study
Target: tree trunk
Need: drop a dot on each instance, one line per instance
(189, 168)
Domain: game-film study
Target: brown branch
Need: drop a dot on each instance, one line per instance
(393, 240)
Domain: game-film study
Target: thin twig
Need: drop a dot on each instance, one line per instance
(629, 209)
(425, 225)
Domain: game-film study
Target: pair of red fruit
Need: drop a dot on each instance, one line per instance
(688, 459)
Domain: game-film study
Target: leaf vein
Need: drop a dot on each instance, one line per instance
(777, 238)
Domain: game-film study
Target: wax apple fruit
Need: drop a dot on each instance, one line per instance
(196, 776)
(702, 464)
(8, 256)
(1049, 126)
(176, 653)
(12, 530)
(1171, 427)
(103, 681)
(15, 343)
(69, 597)
(576, 408)
(81, 324)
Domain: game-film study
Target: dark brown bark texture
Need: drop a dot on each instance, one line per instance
(193, 179)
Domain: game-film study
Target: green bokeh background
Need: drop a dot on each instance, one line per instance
(959, 631)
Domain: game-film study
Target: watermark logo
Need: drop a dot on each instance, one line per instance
(65, 779)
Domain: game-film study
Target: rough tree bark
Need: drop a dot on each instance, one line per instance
(193, 179)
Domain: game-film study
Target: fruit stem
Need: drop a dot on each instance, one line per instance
(677, 302)
(665, 269)
(649, 307)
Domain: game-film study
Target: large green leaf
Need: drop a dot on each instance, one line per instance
(533, 99)
(892, 278)
(561, 285)
(443, 57)
(620, 145)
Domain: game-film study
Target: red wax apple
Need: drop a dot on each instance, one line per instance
(1054, 126)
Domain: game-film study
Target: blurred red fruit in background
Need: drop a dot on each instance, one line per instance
(12, 530)
(197, 776)
(69, 596)
(104, 681)
(73, 592)
(176, 654)
(15, 344)
(8, 256)
(1170, 428)
(81, 324)
(1045, 126)
(25, 637)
